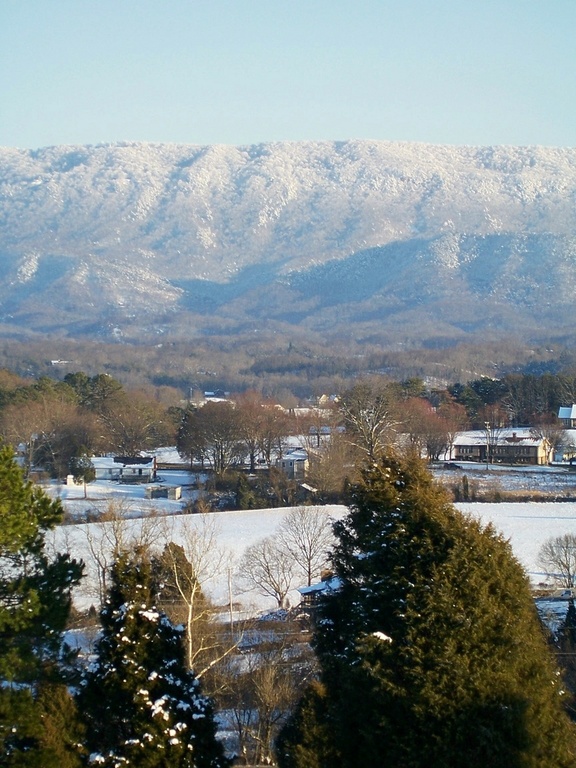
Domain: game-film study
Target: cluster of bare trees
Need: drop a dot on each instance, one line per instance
(299, 550)
(58, 421)
(222, 434)
(377, 415)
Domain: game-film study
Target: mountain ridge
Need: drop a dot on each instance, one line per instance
(135, 240)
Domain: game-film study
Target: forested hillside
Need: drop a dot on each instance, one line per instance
(360, 241)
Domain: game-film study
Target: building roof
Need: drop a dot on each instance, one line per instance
(294, 454)
(326, 585)
(504, 436)
(124, 462)
(567, 412)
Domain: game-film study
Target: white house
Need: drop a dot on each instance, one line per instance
(125, 469)
(567, 415)
(294, 464)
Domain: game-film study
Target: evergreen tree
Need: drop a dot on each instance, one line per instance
(246, 496)
(62, 733)
(142, 705)
(565, 643)
(568, 630)
(35, 599)
(82, 469)
(306, 739)
(430, 649)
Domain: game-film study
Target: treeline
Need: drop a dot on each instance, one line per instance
(286, 369)
(516, 399)
(53, 422)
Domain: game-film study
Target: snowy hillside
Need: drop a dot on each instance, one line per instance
(136, 239)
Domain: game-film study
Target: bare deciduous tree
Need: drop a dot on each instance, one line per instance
(212, 433)
(558, 556)
(250, 410)
(550, 430)
(263, 693)
(134, 424)
(455, 420)
(268, 568)
(306, 536)
(189, 564)
(331, 467)
(370, 418)
(111, 532)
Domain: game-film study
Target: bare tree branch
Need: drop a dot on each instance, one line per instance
(306, 535)
(268, 568)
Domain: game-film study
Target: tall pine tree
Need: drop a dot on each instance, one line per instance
(430, 650)
(35, 599)
(142, 705)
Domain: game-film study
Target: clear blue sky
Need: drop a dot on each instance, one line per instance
(248, 71)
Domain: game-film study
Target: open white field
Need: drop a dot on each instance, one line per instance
(526, 525)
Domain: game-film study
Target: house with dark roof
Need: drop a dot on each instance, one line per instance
(502, 446)
(125, 469)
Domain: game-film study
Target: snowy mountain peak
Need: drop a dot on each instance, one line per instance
(162, 236)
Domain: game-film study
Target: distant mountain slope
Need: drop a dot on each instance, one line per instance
(351, 238)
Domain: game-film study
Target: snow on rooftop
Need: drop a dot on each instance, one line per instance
(498, 436)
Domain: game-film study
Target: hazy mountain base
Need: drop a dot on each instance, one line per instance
(402, 293)
(278, 366)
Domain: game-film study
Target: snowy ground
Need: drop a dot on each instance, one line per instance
(227, 533)
(558, 480)
(526, 525)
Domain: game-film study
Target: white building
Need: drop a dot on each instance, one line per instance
(125, 469)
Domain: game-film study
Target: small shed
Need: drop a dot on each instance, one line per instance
(172, 492)
(294, 464)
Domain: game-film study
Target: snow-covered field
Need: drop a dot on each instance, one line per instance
(225, 534)
(526, 525)
(554, 480)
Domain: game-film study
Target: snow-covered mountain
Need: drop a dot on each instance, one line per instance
(354, 238)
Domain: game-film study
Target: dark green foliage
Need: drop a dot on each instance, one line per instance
(41, 730)
(19, 727)
(172, 575)
(306, 738)
(96, 393)
(62, 733)
(465, 489)
(177, 589)
(431, 651)
(34, 607)
(83, 470)
(246, 495)
(143, 706)
(565, 646)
